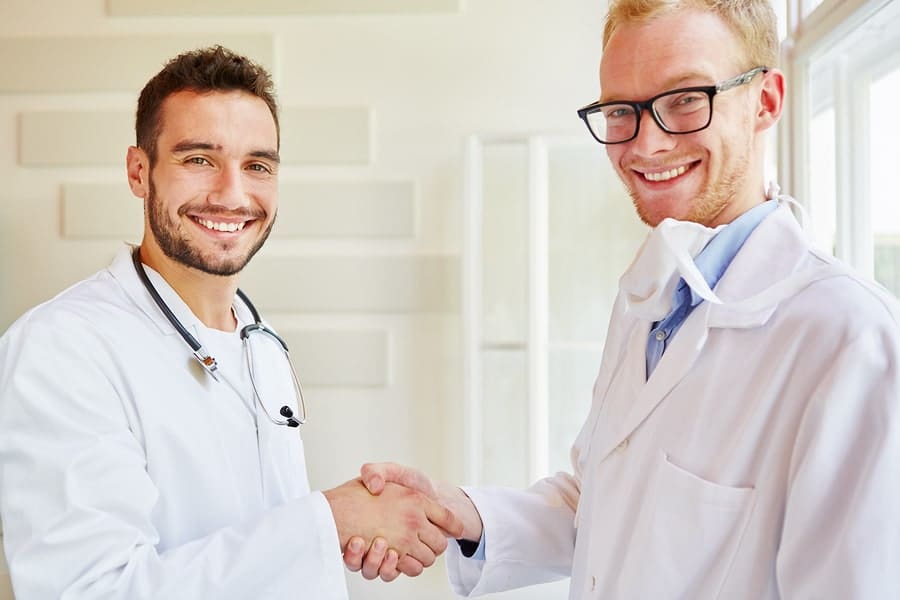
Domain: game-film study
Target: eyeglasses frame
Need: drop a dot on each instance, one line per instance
(647, 105)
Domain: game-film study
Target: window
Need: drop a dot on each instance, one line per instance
(846, 84)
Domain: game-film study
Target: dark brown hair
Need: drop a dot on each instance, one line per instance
(213, 69)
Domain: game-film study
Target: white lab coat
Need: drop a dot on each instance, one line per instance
(761, 459)
(128, 472)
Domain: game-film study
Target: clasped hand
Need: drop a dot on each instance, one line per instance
(396, 529)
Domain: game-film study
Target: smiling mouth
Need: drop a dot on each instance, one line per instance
(666, 175)
(219, 226)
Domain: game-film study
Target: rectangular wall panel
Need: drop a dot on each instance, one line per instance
(368, 209)
(327, 135)
(339, 358)
(112, 63)
(101, 211)
(277, 7)
(307, 210)
(75, 138)
(354, 284)
(309, 136)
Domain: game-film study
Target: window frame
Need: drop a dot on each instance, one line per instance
(809, 37)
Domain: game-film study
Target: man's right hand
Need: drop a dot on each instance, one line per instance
(414, 525)
(376, 476)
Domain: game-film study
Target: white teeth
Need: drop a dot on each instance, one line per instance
(665, 175)
(221, 226)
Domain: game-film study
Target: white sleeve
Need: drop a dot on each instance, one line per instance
(529, 534)
(841, 533)
(78, 503)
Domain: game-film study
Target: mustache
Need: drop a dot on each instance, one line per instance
(218, 211)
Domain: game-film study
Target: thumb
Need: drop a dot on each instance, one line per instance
(375, 475)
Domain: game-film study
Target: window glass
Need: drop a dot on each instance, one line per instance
(852, 127)
(885, 136)
(822, 181)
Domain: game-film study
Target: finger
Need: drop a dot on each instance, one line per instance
(409, 566)
(374, 557)
(388, 570)
(444, 518)
(422, 553)
(375, 475)
(434, 538)
(353, 554)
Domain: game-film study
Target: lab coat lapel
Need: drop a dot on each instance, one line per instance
(629, 398)
(634, 398)
(122, 269)
(752, 289)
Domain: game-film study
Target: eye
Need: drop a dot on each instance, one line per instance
(618, 112)
(688, 100)
(260, 168)
(197, 160)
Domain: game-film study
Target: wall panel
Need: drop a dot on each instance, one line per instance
(354, 283)
(147, 8)
(107, 63)
(343, 359)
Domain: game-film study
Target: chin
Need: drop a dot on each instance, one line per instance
(653, 212)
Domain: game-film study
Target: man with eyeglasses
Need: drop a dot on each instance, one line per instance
(744, 437)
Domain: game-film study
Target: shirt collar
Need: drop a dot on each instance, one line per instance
(122, 269)
(714, 259)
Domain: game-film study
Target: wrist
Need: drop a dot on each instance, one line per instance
(462, 506)
(333, 498)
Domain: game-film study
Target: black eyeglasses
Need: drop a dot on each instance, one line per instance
(685, 110)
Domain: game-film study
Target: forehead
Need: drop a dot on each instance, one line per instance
(688, 47)
(234, 117)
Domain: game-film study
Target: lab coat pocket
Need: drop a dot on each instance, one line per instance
(695, 529)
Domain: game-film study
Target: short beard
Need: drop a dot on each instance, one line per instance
(178, 248)
(712, 199)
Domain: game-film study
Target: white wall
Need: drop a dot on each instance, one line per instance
(376, 109)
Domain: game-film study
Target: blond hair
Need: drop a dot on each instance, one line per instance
(753, 21)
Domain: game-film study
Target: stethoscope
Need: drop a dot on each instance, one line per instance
(208, 362)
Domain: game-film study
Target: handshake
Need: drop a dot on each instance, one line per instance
(394, 519)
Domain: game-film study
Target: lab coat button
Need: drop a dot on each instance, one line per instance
(623, 445)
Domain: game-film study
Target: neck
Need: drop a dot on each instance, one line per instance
(210, 297)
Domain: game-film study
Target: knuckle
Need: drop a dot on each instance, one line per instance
(441, 545)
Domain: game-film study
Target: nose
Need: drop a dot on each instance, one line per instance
(228, 189)
(651, 137)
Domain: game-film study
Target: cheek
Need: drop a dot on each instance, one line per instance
(266, 194)
(615, 154)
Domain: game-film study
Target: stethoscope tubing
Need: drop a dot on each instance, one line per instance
(209, 362)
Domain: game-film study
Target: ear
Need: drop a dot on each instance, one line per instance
(771, 99)
(137, 165)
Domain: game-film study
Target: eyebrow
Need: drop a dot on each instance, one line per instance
(270, 155)
(669, 84)
(190, 146)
